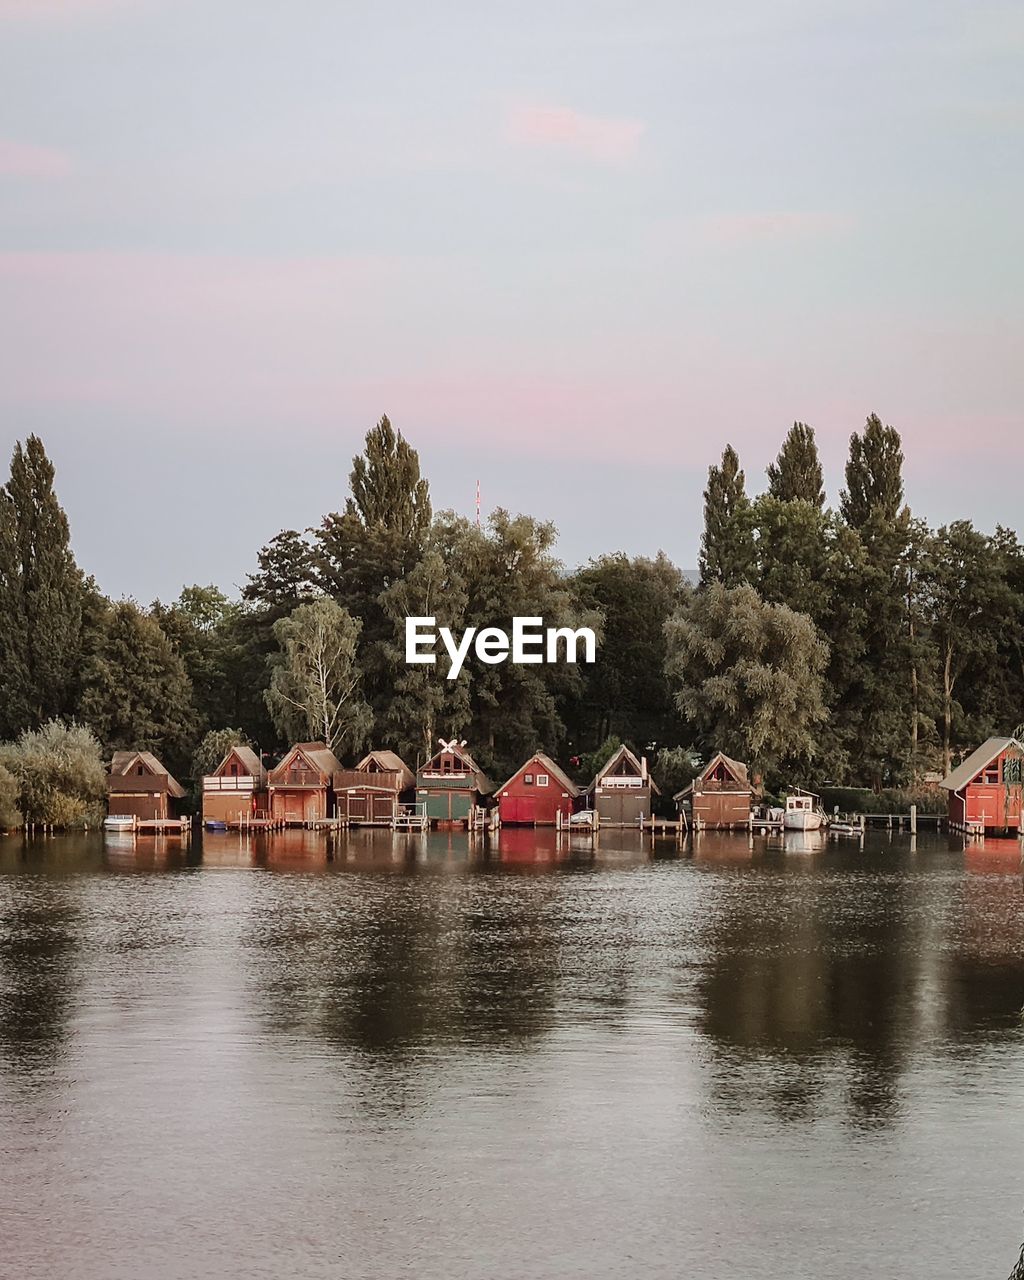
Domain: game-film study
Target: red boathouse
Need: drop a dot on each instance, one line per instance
(985, 791)
(536, 794)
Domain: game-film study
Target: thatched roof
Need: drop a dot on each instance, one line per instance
(319, 755)
(623, 753)
(388, 762)
(253, 765)
(124, 761)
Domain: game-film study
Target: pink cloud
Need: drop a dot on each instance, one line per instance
(48, 10)
(604, 138)
(25, 160)
(749, 228)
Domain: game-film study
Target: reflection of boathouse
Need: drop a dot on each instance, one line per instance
(451, 784)
(985, 791)
(623, 790)
(720, 796)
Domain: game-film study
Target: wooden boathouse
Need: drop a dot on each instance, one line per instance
(623, 790)
(536, 794)
(300, 789)
(451, 785)
(985, 791)
(720, 797)
(138, 786)
(236, 790)
(372, 793)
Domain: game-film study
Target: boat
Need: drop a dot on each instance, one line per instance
(212, 824)
(119, 822)
(803, 812)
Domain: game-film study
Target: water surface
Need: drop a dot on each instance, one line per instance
(435, 1057)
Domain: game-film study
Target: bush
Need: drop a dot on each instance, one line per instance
(930, 799)
(61, 780)
(9, 815)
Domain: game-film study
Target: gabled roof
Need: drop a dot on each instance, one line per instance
(122, 761)
(736, 767)
(613, 760)
(249, 758)
(480, 780)
(389, 762)
(977, 760)
(549, 766)
(317, 753)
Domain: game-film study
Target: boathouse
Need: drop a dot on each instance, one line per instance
(985, 791)
(623, 790)
(720, 797)
(236, 789)
(138, 786)
(301, 788)
(536, 794)
(370, 794)
(451, 784)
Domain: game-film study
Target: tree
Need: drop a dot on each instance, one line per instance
(41, 595)
(874, 476)
(971, 605)
(314, 685)
(796, 473)
(748, 675)
(214, 747)
(137, 695)
(794, 554)
(727, 544)
(388, 491)
(625, 691)
(423, 703)
(286, 576)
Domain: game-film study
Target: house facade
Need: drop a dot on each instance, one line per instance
(301, 788)
(985, 791)
(536, 794)
(623, 790)
(720, 797)
(236, 788)
(139, 786)
(370, 794)
(451, 784)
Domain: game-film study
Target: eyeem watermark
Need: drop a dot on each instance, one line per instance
(530, 642)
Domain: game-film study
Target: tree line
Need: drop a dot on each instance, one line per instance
(853, 645)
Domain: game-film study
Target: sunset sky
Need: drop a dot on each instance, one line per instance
(571, 249)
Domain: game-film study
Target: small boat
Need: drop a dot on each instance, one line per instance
(119, 822)
(843, 829)
(211, 824)
(803, 813)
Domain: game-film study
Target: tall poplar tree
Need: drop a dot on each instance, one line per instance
(874, 476)
(727, 544)
(796, 474)
(40, 596)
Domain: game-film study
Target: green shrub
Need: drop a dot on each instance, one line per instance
(9, 815)
(61, 780)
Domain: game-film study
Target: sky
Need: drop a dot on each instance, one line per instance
(570, 249)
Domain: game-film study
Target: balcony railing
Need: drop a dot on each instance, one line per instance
(385, 780)
(244, 782)
(299, 778)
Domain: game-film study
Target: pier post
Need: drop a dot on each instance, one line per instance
(913, 819)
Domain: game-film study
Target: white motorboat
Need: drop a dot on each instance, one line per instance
(802, 813)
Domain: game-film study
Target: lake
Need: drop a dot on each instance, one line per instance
(431, 1056)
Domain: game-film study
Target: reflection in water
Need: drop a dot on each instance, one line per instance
(540, 1055)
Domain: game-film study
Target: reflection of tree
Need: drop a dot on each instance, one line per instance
(810, 988)
(37, 961)
(408, 960)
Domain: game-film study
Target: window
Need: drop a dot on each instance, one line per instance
(527, 779)
(542, 779)
(234, 769)
(141, 771)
